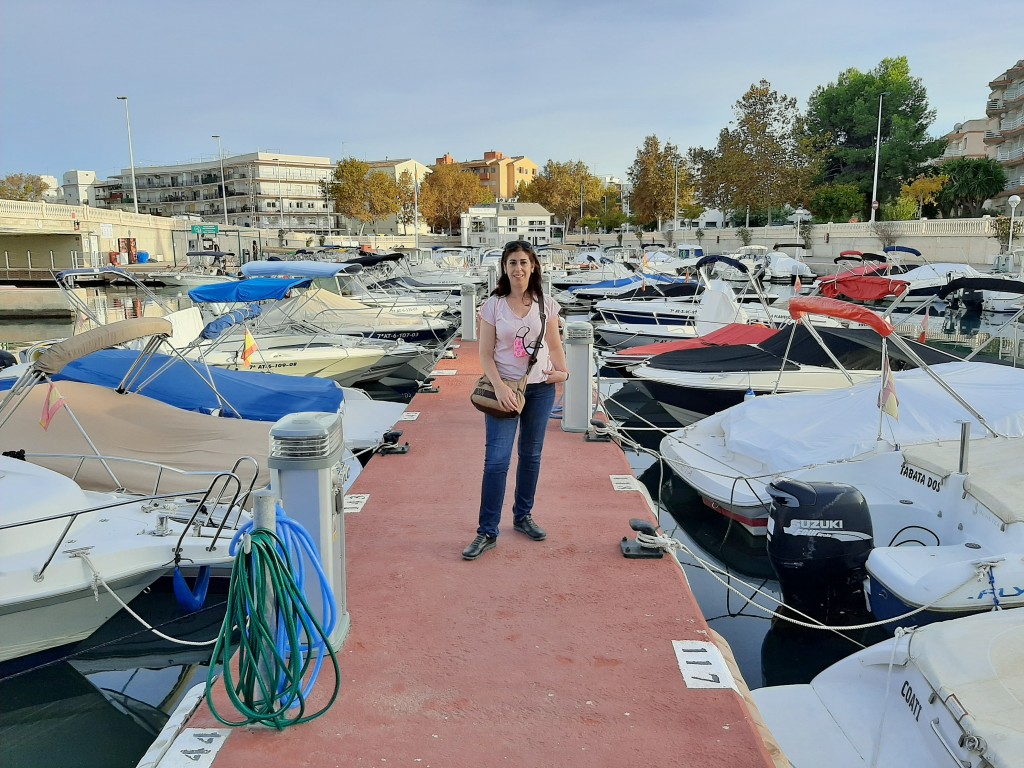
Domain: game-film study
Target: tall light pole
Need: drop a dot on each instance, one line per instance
(223, 181)
(1014, 201)
(878, 147)
(131, 152)
(416, 207)
(675, 196)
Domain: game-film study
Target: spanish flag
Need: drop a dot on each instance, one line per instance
(53, 403)
(797, 285)
(249, 349)
(887, 399)
(923, 337)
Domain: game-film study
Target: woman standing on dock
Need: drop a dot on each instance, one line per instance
(510, 331)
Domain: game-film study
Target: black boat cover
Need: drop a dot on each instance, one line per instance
(856, 348)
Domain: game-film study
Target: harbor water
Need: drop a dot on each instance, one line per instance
(103, 702)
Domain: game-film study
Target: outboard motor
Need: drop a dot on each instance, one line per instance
(7, 359)
(819, 539)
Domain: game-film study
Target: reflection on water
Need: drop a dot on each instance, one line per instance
(109, 303)
(103, 702)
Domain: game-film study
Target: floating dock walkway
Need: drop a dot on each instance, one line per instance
(538, 654)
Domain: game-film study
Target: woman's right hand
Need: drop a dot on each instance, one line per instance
(508, 397)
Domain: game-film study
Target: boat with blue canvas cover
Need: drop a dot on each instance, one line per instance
(347, 278)
(309, 309)
(293, 348)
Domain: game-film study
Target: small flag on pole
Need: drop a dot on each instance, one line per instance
(249, 349)
(797, 285)
(54, 402)
(923, 338)
(887, 399)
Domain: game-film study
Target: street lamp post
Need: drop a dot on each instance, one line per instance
(675, 196)
(1014, 201)
(878, 147)
(131, 153)
(223, 181)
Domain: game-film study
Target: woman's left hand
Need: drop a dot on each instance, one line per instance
(555, 377)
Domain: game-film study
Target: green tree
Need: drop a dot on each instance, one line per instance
(653, 178)
(22, 186)
(971, 182)
(843, 116)
(564, 188)
(350, 190)
(449, 192)
(381, 197)
(903, 208)
(764, 160)
(406, 201)
(1001, 231)
(836, 202)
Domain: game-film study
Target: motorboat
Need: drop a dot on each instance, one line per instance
(346, 278)
(946, 694)
(638, 287)
(991, 293)
(696, 382)
(783, 268)
(201, 268)
(730, 456)
(308, 308)
(285, 343)
(164, 410)
(67, 550)
(924, 533)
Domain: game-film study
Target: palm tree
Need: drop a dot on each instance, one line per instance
(972, 181)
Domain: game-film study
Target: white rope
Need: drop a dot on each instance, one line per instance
(670, 544)
(900, 632)
(98, 579)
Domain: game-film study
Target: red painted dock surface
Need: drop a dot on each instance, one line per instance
(552, 653)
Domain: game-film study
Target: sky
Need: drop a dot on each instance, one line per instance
(549, 79)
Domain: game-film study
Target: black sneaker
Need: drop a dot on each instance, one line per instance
(480, 545)
(526, 525)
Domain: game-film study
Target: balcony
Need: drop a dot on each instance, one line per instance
(994, 107)
(993, 137)
(1010, 155)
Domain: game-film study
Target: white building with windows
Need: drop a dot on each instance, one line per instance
(491, 225)
(262, 189)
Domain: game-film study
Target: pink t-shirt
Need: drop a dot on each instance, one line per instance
(508, 326)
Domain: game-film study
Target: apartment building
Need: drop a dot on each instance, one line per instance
(261, 189)
(497, 173)
(967, 140)
(394, 169)
(491, 225)
(1006, 138)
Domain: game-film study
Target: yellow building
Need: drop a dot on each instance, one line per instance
(501, 175)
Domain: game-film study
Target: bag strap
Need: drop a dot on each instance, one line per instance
(540, 339)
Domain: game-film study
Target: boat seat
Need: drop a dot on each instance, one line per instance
(993, 471)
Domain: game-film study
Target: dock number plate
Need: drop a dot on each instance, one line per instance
(702, 664)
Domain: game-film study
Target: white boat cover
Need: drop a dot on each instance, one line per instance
(994, 471)
(798, 429)
(319, 306)
(978, 660)
(939, 271)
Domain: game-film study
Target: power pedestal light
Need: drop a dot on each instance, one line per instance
(578, 400)
(545, 282)
(305, 451)
(468, 296)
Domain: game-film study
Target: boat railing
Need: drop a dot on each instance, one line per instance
(238, 500)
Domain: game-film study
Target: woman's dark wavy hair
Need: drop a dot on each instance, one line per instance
(535, 287)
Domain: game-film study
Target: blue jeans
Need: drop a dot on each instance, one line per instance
(501, 433)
